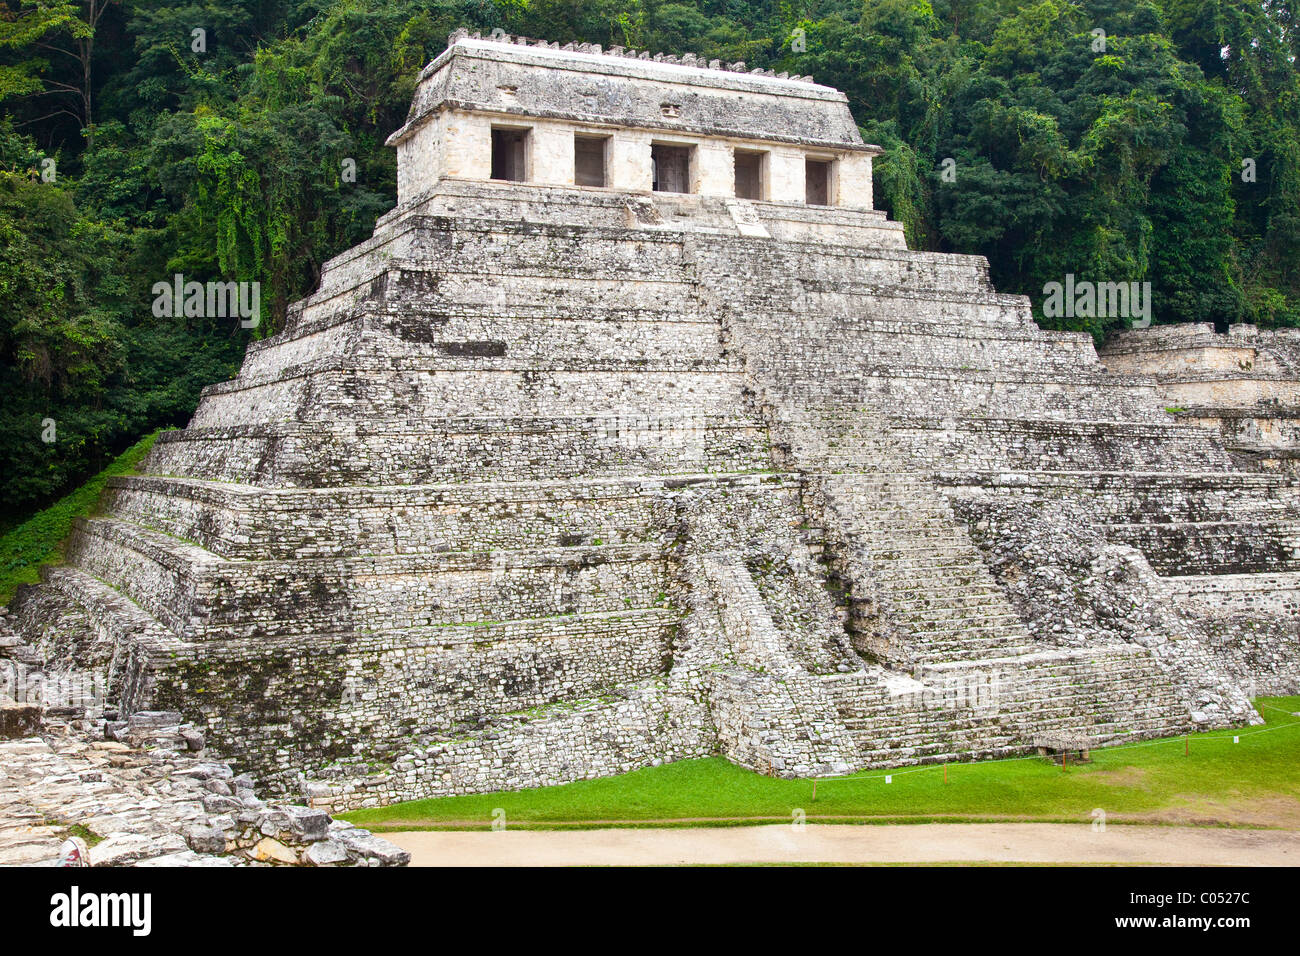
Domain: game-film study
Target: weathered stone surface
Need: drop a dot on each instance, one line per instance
(218, 786)
(207, 770)
(553, 480)
(325, 853)
(153, 719)
(187, 858)
(127, 848)
(215, 803)
(270, 850)
(308, 824)
(19, 720)
(138, 812)
(205, 839)
(362, 845)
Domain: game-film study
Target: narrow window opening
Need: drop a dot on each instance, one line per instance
(509, 151)
(589, 160)
(672, 168)
(817, 179)
(750, 175)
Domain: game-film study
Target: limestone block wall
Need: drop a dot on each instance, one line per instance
(1212, 388)
(1190, 346)
(205, 598)
(350, 700)
(775, 718)
(1263, 594)
(1183, 524)
(1242, 385)
(652, 723)
(1073, 587)
(466, 201)
(458, 145)
(348, 714)
(423, 157)
(1244, 618)
(246, 522)
(362, 699)
(547, 730)
(325, 392)
(1132, 498)
(329, 456)
(999, 444)
(1268, 428)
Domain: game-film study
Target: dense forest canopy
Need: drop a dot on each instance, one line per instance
(243, 140)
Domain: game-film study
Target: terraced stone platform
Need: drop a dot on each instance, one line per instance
(548, 482)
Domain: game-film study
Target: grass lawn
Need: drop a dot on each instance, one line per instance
(1252, 783)
(38, 540)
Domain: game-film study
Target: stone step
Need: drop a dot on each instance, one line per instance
(934, 392)
(993, 325)
(942, 622)
(949, 580)
(200, 596)
(252, 522)
(574, 655)
(502, 246)
(399, 371)
(911, 601)
(1041, 690)
(973, 651)
(415, 290)
(937, 555)
(327, 391)
(452, 449)
(487, 335)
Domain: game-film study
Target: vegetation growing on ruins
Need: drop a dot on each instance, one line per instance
(37, 540)
(1164, 148)
(1207, 779)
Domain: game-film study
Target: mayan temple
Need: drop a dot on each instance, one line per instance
(636, 434)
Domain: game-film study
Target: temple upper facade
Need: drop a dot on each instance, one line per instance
(529, 112)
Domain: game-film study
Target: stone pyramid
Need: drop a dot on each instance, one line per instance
(553, 480)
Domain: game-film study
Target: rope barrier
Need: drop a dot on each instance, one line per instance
(1289, 713)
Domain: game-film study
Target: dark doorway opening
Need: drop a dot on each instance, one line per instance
(509, 154)
(749, 175)
(589, 162)
(672, 168)
(817, 179)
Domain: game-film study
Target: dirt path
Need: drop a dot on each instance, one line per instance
(919, 843)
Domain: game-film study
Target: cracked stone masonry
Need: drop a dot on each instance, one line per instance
(635, 433)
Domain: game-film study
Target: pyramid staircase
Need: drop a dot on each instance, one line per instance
(841, 378)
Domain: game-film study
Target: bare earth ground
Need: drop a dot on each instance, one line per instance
(915, 843)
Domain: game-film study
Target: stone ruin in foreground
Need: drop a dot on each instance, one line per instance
(636, 434)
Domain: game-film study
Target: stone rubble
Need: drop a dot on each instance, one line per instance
(150, 795)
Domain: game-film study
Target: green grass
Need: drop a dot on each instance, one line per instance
(79, 830)
(39, 539)
(1254, 782)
